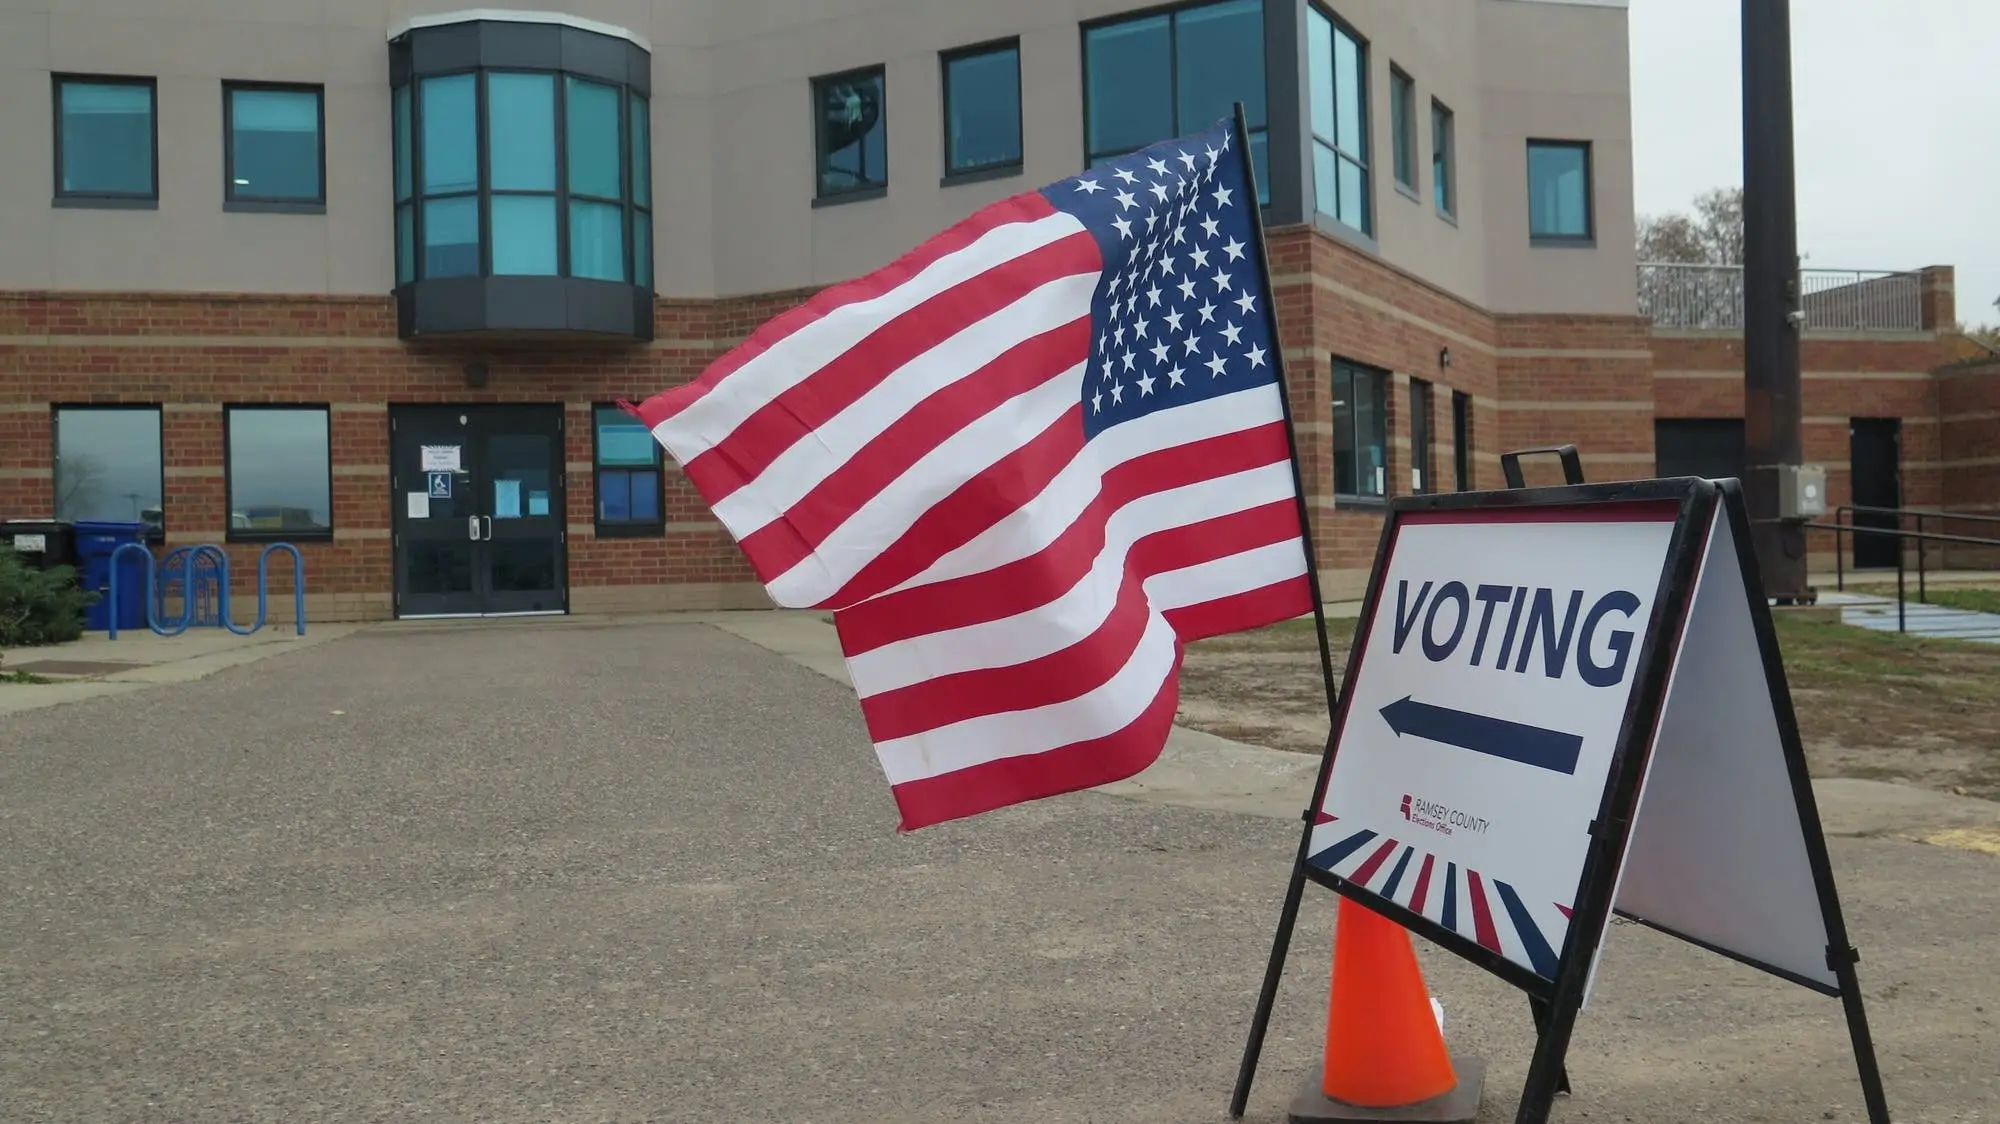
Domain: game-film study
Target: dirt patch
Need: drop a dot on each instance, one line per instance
(1872, 705)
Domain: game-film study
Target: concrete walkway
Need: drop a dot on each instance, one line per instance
(1936, 622)
(595, 871)
(97, 666)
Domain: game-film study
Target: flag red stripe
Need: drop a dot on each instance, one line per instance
(1253, 608)
(1012, 780)
(784, 542)
(792, 415)
(1040, 578)
(971, 508)
(1025, 207)
(1092, 660)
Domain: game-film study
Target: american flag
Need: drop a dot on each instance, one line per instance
(1022, 465)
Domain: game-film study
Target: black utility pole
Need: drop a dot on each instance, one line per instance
(1773, 414)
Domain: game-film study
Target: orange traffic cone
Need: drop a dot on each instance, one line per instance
(1385, 1054)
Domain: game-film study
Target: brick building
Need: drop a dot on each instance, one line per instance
(368, 276)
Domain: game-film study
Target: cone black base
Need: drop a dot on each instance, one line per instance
(1459, 1106)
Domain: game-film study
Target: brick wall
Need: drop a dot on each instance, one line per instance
(1969, 454)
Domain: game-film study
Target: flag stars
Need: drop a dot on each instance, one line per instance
(1124, 227)
(1221, 281)
(1215, 365)
(1207, 311)
(1158, 166)
(1146, 385)
(1088, 187)
(1097, 402)
(1176, 376)
(1126, 175)
(1159, 191)
(1199, 258)
(1247, 302)
(1232, 333)
(1256, 356)
(1126, 200)
(1117, 393)
(1222, 196)
(1193, 343)
(1212, 227)
(1153, 296)
(1160, 351)
(1212, 155)
(1234, 249)
(1187, 288)
(1127, 357)
(1139, 327)
(1174, 321)
(1187, 160)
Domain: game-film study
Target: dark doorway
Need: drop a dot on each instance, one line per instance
(1875, 465)
(1461, 440)
(1711, 448)
(1420, 437)
(478, 510)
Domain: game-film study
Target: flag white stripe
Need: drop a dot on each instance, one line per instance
(888, 514)
(1030, 529)
(1111, 707)
(1236, 573)
(798, 470)
(1080, 610)
(791, 360)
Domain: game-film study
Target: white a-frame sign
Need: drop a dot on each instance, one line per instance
(1562, 702)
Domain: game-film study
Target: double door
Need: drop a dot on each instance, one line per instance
(479, 527)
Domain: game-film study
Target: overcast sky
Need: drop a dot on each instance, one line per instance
(1897, 111)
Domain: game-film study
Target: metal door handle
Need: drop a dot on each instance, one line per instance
(489, 527)
(472, 527)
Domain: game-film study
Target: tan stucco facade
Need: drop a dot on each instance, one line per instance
(732, 137)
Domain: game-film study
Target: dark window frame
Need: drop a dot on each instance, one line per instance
(1380, 379)
(624, 528)
(994, 169)
(240, 202)
(1589, 236)
(1423, 443)
(1172, 11)
(483, 192)
(1444, 158)
(1403, 129)
(56, 409)
(1365, 159)
(1461, 441)
(231, 533)
(874, 189)
(103, 200)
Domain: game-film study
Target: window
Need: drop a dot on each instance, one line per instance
(566, 178)
(280, 472)
(1403, 125)
(1163, 75)
(1444, 163)
(1360, 430)
(628, 476)
(852, 129)
(1461, 440)
(1338, 65)
(108, 464)
(982, 109)
(273, 149)
(106, 140)
(1559, 191)
(1421, 479)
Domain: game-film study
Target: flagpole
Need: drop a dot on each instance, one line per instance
(1288, 914)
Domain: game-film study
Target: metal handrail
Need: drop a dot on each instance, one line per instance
(1921, 537)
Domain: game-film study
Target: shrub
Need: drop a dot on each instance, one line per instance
(38, 606)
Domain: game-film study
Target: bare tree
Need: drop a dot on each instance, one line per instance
(1711, 235)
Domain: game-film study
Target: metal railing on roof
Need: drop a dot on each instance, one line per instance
(1675, 295)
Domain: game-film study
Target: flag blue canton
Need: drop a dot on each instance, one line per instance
(1181, 313)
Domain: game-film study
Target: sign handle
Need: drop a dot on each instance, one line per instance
(1539, 1009)
(1510, 464)
(1274, 970)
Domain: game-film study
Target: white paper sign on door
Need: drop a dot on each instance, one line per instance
(420, 505)
(441, 458)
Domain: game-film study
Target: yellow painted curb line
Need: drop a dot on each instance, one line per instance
(1984, 840)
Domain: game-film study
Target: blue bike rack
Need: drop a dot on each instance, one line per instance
(203, 575)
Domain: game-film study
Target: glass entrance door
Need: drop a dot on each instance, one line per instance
(478, 510)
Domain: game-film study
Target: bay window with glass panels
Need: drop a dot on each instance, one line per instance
(1337, 67)
(1166, 74)
(523, 158)
(566, 189)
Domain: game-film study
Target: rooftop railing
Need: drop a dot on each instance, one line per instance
(1834, 300)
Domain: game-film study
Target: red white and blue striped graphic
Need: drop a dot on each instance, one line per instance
(1484, 910)
(1022, 465)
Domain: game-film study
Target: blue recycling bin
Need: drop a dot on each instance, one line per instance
(95, 544)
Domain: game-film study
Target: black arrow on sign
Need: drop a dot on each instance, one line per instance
(1495, 737)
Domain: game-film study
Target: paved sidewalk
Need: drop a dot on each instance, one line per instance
(1937, 622)
(97, 666)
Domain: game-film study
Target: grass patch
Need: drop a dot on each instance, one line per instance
(21, 677)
